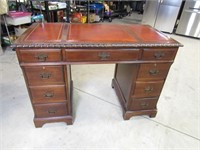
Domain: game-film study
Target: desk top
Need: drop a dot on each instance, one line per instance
(64, 35)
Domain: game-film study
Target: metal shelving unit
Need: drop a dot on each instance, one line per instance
(48, 12)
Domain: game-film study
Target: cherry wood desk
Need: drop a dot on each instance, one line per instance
(142, 55)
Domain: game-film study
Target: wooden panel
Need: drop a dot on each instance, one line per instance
(142, 104)
(77, 55)
(44, 94)
(125, 75)
(44, 75)
(50, 110)
(157, 71)
(148, 89)
(159, 54)
(40, 55)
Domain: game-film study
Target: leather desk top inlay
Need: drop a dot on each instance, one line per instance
(93, 35)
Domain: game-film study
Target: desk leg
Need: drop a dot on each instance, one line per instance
(124, 84)
(126, 113)
(57, 111)
(39, 122)
(1, 50)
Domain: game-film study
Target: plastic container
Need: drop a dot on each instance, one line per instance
(83, 19)
(17, 18)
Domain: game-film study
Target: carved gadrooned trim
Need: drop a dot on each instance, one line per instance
(92, 45)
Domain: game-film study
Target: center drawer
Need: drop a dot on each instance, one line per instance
(83, 55)
(44, 75)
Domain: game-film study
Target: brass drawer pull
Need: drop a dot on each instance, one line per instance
(48, 94)
(51, 111)
(159, 55)
(148, 89)
(45, 75)
(104, 55)
(144, 105)
(153, 71)
(41, 57)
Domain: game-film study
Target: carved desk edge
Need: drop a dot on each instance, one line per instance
(93, 45)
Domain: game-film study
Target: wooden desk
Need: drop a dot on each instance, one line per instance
(142, 55)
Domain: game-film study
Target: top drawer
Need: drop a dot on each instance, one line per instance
(41, 55)
(84, 55)
(159, 54)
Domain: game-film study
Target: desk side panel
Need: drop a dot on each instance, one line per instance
(125, 75)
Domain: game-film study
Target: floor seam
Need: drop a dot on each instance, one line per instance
(97, 97)
(141, 116)
(172, 128)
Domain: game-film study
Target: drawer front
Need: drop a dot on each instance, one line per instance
(50, 110)
(143, 104)
(153, 71)
(147, 89)
(101, 55)
(44, 75)
(159, 54)
(43, 94)
(44, 55)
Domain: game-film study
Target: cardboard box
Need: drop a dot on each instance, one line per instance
(92, 17)
(19, 30)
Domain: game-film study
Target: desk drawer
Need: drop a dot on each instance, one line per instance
(50, 110)
(77, 55)
(159, 54)
(147, 89)
(40, 55)
(44, 75)
(143, 104)
(43, 94)
(156, 71)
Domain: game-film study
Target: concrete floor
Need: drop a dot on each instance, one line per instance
(98, 122)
